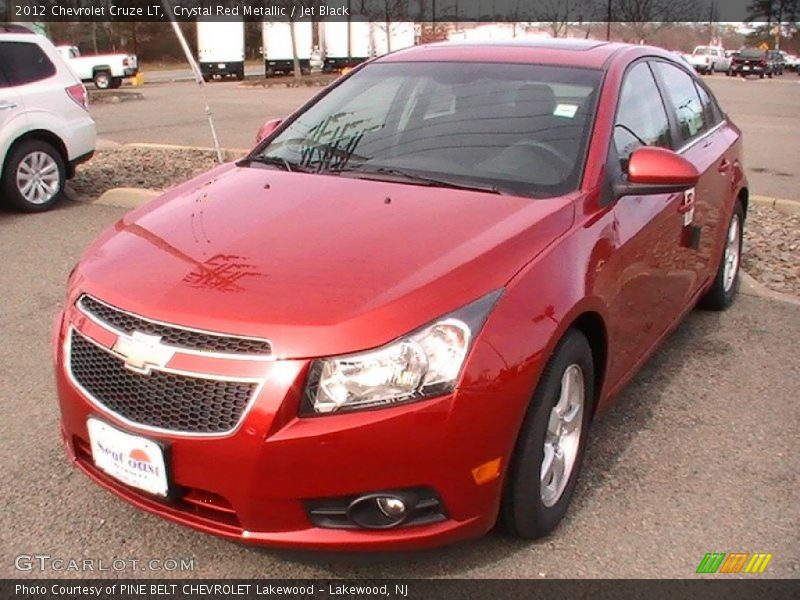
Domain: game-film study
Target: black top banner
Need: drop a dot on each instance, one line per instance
(565, 11)
(445, 589)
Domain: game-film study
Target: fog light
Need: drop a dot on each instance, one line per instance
(380, 511)
(392, 507)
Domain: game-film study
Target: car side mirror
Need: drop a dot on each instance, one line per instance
(268, 128)
(653, 170)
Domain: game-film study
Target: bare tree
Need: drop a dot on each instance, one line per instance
(643, 17)
(388, 13)
(556, 13)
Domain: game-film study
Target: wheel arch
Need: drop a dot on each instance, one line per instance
(45, 136)
(592, 325)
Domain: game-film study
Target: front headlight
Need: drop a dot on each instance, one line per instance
(423, 364)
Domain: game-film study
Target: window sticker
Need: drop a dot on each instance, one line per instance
(566, 110)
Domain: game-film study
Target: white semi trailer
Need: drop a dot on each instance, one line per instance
(391, 36)
(334, 42)
(220, 48)
(277, 44)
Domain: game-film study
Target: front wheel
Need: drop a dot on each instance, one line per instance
(33, 178)
(726, 282)
(548, 453)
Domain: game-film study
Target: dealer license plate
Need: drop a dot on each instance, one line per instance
(131, 459)
(221, 65)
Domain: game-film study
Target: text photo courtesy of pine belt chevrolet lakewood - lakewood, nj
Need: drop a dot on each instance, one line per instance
(482, 296)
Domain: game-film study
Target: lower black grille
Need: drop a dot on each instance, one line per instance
(164, 400)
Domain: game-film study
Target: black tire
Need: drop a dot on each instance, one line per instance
(116, 83)
(102, 80)
(523, 512)
(718, 297)
(9, 190)
(240, 74)
(206, 78)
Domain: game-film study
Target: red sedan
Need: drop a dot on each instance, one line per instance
(392, 324)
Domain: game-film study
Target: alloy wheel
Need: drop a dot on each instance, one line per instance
(38, 178)
(732, 254)
(563, 436)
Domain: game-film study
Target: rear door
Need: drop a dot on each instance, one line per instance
(699, 135)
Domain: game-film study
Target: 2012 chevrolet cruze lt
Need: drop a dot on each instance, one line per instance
(394, 321)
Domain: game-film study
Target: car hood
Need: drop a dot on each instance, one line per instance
(318, 264)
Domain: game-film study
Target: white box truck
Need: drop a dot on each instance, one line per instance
(333, 38)
(276, 39)
(220, 48)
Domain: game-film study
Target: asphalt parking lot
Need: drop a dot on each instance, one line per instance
(766, 110)
(699, 454)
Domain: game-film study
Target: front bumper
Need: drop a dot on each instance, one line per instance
(750, 70)
(252, 485)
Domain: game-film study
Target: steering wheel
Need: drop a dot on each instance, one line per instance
(547, 149)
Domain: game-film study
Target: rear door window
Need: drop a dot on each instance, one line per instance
(24, 62)
(683, 101)
(713, 112)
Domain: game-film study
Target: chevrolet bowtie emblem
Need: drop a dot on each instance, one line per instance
(142, 352)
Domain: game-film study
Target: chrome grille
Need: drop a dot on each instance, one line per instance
(162, 400)
(204, 341)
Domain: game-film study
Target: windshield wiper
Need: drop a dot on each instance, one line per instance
(275, 161)
(392, 174)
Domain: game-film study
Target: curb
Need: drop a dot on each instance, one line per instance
(125, 197)
(787, 207)
(285, 84)
(104, 97)
(751, 287)
(228, 154)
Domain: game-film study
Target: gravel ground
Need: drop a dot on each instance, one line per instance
(772, 248)
(151, 168)
(771, 244)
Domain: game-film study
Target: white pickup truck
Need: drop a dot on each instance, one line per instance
(105, 70)
(708, 59)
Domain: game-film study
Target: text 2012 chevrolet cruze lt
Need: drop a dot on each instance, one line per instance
(393, 322)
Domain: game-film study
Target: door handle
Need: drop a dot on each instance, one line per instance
(724, 166)
(7, 105)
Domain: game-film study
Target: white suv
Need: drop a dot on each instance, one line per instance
(45, 127)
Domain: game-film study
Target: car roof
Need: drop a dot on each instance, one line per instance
(593, 54)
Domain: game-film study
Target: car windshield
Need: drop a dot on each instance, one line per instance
(507, 128)
(700, 50)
